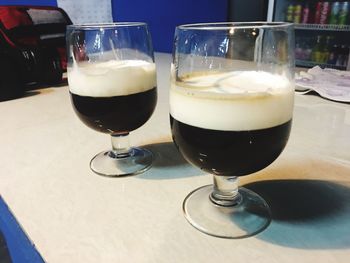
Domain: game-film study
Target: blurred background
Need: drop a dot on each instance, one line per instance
(322, 27)
(162, 16)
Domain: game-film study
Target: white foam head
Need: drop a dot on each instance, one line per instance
(111, 78)
(233, 101)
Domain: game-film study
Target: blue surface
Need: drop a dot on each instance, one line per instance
(28, 2)
(20, 248)
(163, 16)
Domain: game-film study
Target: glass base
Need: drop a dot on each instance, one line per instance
(247, 218)
(111, 165)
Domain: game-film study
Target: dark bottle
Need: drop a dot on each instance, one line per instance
(326, 49)
(344, 51)
(333, 55)
(307, 50)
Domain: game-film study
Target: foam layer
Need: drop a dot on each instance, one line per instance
(234, 101)
(112, 78)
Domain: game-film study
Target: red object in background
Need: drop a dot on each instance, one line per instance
(63, 55)
(306, 14)
(318, 10)
(32, 47)
(35, 27)
(25, 26)
(325, 10)
(12, 17)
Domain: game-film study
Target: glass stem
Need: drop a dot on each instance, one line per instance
(120, 145)
(225, 192)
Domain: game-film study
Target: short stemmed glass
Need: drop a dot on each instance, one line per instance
(112, 85)
(231, 105)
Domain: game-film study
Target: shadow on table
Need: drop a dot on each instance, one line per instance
(170, 162)
(33, 90)
(306, 214)
(35, 86)
(31, 93)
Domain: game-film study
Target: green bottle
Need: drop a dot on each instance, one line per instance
(333, 19)
(317, 51)
(343, 13)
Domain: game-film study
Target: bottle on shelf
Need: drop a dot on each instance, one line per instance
(333, 18)
(325, 52)
(316, 54)
(325, 10)
(343, 13)
(305, 14)
(318, 11)
(307, 50)
(333, 55)
(346, 55)
(298, 51)
(343, 56)
(297, 14)
(290, 13)
(303, 49)
(326, 49)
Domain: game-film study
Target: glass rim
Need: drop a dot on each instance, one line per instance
(234, 25)
(98, 26)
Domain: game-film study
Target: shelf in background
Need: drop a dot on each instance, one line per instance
(322, 27)
(310, 64)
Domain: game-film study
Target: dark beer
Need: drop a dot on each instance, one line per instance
(116, 96)
(117, 113)
(229, 152)
(231, 123)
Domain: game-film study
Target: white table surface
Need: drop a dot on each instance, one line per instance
(73, 215)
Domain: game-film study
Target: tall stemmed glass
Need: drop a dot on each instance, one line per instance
(231, 105)
(112, 84)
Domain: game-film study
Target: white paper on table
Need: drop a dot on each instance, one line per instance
(329, 83)
(87, 11)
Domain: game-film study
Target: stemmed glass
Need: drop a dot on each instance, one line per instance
(231, 105)
(112, 85)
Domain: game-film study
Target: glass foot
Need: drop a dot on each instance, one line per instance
(247, 218)
(109, 164)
